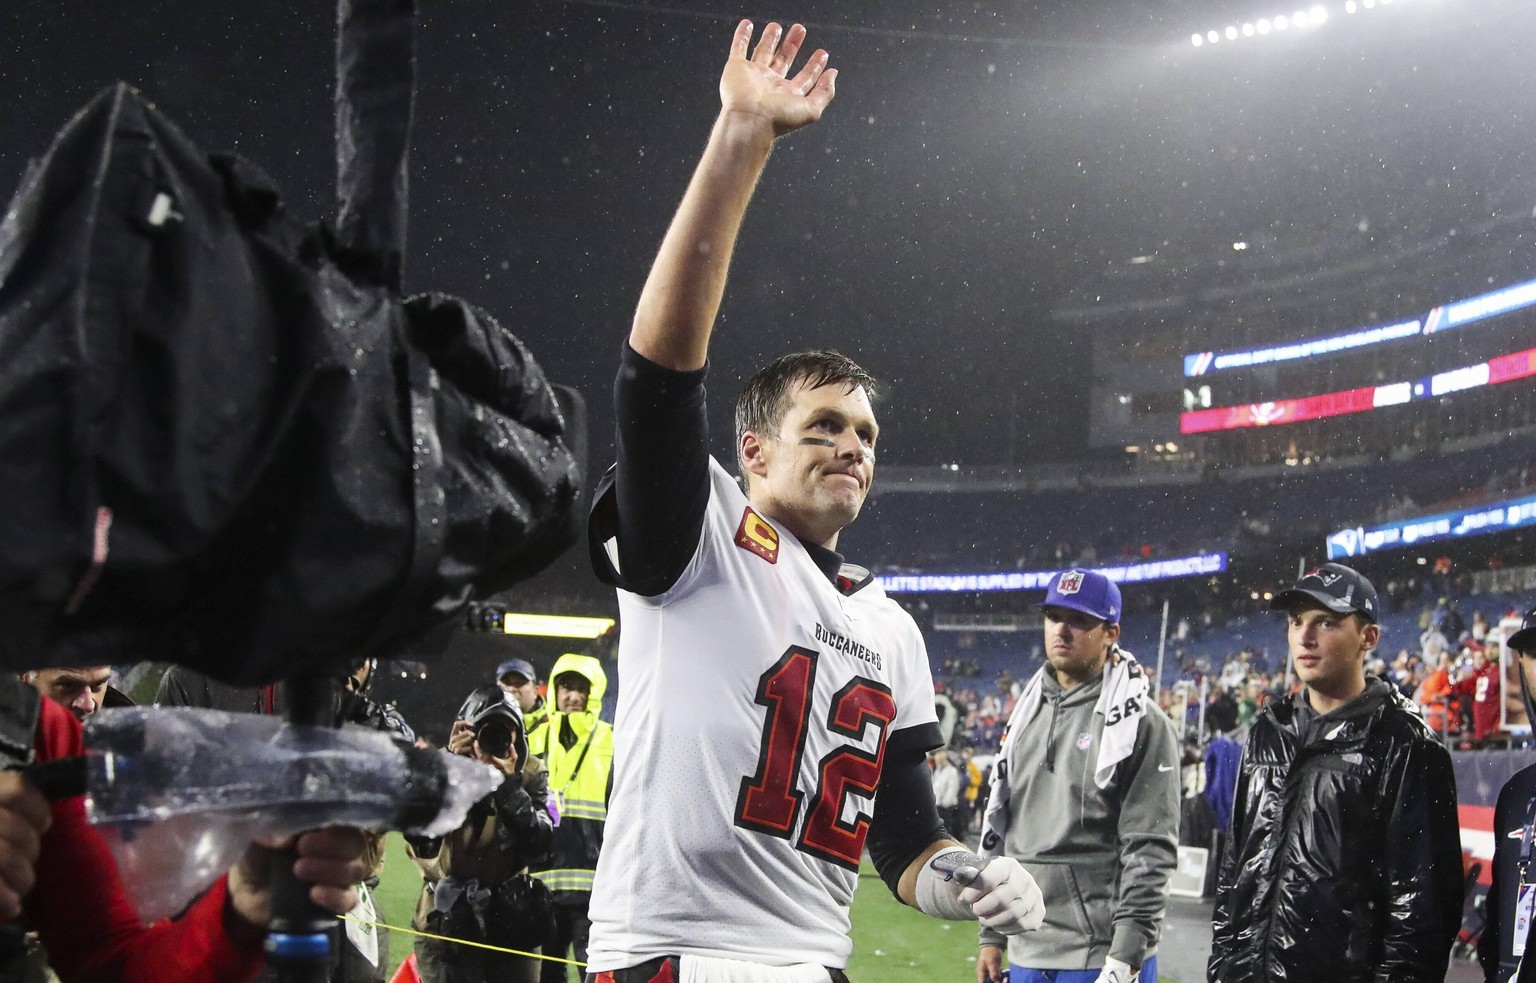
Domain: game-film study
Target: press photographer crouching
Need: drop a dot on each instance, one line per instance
(477, 885)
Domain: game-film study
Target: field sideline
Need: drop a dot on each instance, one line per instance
(891, 942)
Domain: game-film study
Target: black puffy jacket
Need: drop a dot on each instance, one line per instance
(1345, 858)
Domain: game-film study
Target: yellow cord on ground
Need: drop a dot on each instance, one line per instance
(477, 945)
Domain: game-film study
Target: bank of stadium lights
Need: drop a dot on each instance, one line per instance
(1314, 16)
(1301, 20)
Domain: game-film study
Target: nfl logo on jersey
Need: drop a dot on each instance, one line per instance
(1071, 582)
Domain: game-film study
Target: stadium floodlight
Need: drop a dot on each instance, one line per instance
(1315, 15)
(555, 626)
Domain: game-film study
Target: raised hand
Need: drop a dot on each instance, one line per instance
(761, 86)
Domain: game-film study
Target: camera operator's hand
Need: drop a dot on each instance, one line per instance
(329, 859)
(461, 739)
(24, 817)
(508, 765)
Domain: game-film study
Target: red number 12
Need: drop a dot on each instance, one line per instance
(769, 801)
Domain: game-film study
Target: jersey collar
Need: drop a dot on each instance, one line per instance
(848, 578)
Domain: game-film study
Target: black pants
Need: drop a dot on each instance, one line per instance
(446, 962)
(568, 931)
(439, 961)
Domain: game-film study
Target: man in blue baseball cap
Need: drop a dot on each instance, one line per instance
(1085, 796)
(518, 677)
(1503, 943)
(1082, 624)
(1344, 860)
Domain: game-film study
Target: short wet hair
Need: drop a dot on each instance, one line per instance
(765, 398)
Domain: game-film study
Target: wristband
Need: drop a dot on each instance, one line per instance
(940, 881)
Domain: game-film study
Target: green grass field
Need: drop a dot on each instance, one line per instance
(891, 942)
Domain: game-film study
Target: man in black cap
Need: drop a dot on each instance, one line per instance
(1512, 892)
(1345, 856)
(518, 677)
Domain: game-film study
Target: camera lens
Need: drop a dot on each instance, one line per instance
(495, 738)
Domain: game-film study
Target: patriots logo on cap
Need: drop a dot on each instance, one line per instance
(1328, 579)
(1070, 583)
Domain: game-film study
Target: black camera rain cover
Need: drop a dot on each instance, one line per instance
(226, 441)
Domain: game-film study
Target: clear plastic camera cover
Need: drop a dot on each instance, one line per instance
(180, 792)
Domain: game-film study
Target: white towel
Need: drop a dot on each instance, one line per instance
(1122, 701)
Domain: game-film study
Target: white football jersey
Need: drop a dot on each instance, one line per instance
(755, 706)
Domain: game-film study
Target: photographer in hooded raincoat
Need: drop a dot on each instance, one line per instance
(477, 885)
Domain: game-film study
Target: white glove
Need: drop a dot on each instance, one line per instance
(1115, 971)
(1005, 898)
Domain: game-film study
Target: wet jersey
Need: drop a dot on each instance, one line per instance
(757, 702)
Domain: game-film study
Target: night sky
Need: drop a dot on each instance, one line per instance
(983, 164)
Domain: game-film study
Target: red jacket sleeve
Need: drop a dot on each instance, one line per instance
(85, 918)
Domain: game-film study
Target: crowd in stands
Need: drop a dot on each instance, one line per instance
(1451, 670)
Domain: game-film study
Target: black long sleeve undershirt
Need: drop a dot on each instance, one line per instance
(662, 484)
(906, 817)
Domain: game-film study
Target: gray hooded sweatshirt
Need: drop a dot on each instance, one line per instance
(1102, 857)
